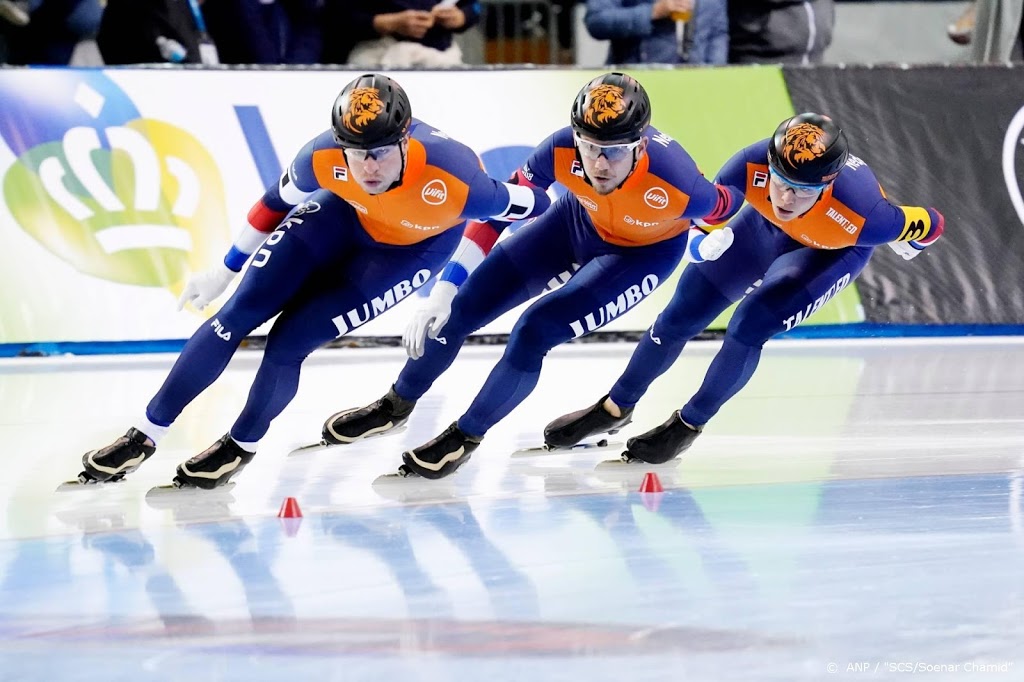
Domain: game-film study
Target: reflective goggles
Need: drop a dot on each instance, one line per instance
(612, 152)
(801, 191)
(377, 153)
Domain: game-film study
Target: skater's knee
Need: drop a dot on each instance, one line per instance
(285, 355)
(239, 317)
(677, 325)
(753, 326)
(534, 335)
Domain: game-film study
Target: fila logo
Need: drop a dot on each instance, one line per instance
(587, 202)
(219, 330)
(650, 332)
(656, 197)
(760, 179)
(435, 192)
(576, 168)
(341, 173)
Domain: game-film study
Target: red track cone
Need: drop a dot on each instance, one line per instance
(289, 509)
(651, 484)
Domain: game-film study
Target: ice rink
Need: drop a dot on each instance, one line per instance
(855, 513)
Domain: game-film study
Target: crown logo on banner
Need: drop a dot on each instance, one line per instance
(139, 201)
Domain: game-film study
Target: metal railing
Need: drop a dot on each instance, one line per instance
(520, 31)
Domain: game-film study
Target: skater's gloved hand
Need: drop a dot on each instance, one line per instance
(906, 250)
(204, 287)
(429, 319)
(910, 249)
(715, 244)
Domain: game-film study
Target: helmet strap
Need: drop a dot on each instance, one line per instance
(405, 161)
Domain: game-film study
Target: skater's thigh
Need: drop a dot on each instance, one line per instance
(516, 270)
(377, 278)
(796, 286)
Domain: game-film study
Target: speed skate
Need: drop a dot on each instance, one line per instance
(322, 444)
(595, 446)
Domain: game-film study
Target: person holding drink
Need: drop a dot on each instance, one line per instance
(662, 31)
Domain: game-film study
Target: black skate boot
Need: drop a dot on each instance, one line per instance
(117, 460)
(661, 443)
(213, 466)
(570, 429)
(377, 418)
(442, 456)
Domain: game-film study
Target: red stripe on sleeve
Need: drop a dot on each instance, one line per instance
(723, 207)
(938, 227)
(520, 179)
(481, 234)
(263, 218)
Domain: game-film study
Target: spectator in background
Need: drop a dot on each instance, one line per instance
(266, 31)
(646, 31)
(998, 32)
(13, 16)
(710, 43)
(45, 32)
(399, 33)
(960, 30)
(779, 31)
(148, 32)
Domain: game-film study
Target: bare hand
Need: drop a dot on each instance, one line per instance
(662, 9)
(451, 18)
(411, 23)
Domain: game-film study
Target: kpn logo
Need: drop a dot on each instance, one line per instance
(117, 196)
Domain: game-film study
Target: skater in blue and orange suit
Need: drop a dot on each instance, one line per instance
(814, 216)
(369, 211)
(622, 228)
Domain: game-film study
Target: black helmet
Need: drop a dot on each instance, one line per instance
(372, 111)
(808, 149)
(613, 108)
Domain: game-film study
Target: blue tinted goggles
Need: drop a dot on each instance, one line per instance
(612, 152)
(377, 154)
(803, 191)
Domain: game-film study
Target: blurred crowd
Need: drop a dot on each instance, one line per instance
(424, 33)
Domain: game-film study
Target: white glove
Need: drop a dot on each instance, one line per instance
(204, 287)
(715, 244)
(429, 319)
(906, 250)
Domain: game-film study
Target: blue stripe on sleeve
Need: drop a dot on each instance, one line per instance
(694, 251)
(455, 273)
(235, 259)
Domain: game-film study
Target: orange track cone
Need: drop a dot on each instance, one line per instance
(290, 509)
(651, 484)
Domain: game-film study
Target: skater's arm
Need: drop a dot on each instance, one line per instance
(907, 229)
(295, 185)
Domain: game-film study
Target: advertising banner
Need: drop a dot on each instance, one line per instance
(948, 137)
(117, 184)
